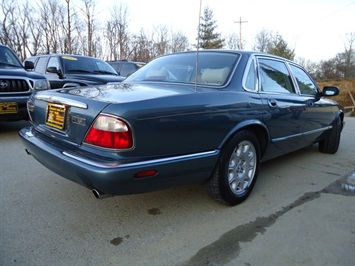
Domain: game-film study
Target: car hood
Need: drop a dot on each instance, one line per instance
(95, 78)
(125, 93)
(17, 71)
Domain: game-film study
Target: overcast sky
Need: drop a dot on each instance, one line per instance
(316, 29)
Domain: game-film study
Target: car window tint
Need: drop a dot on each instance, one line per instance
(305, 83)
(274, 76)
(250, 77)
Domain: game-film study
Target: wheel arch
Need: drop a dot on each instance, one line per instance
(341, 116)
(257, 127)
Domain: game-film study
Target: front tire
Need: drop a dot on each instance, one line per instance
(331, 142)
(237, 169)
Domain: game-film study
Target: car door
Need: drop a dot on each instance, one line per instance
(318, 112)
(284, 107)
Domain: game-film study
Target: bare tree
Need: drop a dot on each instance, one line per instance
(117, 33)
(179, 42)
(35, 33)
(263, 41)
(89, 20)
(268, 42)
(67, 26)
(9, 24)
(142, 47)
(161, 42)
(348, 57)
(50, 20)
(233, 42)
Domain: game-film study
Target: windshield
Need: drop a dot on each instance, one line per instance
(77, 64)
(8, 58)
(214, 68)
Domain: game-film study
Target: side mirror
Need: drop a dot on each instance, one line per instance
(29, 65)
(330, 91)
(54, 70)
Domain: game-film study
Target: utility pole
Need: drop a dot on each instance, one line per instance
(240, 31)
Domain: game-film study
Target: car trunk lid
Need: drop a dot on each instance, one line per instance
(65, 115)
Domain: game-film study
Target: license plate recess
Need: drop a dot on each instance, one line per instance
(56, 114)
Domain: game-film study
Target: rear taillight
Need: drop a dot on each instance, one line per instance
(109, 132)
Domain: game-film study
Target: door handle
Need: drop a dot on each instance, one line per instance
(272, 103)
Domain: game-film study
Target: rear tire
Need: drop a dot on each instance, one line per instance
(331, 143)
(237, 169)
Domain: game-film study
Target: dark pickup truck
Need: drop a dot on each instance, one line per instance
(16, 85)
(67, 70)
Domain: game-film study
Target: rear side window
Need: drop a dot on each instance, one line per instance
(250, 80)
(305, 83)
(274, 76)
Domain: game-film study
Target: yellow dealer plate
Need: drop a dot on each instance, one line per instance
(56, 115)
(8, 108)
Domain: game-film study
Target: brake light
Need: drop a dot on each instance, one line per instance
(109, 132)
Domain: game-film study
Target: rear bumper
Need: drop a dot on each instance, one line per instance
(118, 178)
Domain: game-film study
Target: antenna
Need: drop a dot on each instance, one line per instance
(198, 45)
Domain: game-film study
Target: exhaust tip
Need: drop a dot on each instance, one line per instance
(96, 193)
(100, 195)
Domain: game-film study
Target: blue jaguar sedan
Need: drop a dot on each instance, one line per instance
(208, 116)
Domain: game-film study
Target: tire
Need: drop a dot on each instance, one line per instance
(331, 142)
(237, 169)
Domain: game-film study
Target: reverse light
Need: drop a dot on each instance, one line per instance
(109, 132)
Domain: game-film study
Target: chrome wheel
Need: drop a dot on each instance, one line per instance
(237, 169)
(242, 167)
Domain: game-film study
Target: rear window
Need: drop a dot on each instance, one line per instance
(212, 69)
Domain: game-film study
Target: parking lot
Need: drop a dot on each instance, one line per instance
(301, 212)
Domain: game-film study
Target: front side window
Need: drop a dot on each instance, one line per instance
(305, 83)
(274, 76)
(53, 62)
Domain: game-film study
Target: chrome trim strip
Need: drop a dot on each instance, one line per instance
(302, 134)
(317, 130)
(56, 99)
(155, 161)
(288, 137)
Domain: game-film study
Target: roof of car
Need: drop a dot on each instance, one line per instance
(59, 54)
